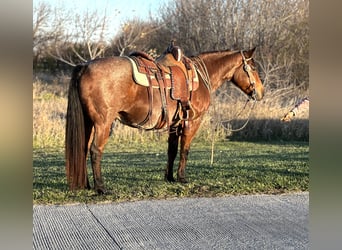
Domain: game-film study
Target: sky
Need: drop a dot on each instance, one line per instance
(117, 10)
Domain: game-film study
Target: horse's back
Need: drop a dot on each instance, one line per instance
(110, 68)
(106, 74)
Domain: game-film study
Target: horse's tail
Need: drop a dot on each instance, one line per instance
(75, 145)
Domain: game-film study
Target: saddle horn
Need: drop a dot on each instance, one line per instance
(175, 51)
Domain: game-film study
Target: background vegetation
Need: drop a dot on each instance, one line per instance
(279, 29)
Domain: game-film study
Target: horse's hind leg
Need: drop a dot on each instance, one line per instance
(101, 135)
(171, 153)
(88, 127)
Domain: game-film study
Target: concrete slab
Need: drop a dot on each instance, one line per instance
(233, 222)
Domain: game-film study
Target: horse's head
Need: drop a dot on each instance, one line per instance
(246, 76)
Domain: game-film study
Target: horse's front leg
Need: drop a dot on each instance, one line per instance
(171, 153)
(186, 139)
(101, 136)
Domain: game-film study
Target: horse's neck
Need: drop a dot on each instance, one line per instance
(221, 67)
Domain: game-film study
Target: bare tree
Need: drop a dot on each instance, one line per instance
(67, 37)
(78, 38)
(40, 34)
(135, 35)
(41, 15)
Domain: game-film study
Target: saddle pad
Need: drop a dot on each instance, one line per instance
(141, 78)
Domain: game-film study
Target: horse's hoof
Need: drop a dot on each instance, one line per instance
(169, 179)
(101, 191)
(182, 180)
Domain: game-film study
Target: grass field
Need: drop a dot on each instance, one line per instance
(136, 171)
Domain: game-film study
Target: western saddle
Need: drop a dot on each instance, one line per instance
(173, 72)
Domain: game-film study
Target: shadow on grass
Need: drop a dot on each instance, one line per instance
(270, 130)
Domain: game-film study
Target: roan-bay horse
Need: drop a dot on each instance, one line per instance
(103, 90)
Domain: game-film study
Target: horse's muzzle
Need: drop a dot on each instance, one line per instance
(257, 94)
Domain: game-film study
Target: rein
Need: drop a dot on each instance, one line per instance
(237, 115)
(202, 71)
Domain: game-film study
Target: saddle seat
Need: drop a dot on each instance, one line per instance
(179, 76)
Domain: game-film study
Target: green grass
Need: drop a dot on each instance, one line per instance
(136, 171)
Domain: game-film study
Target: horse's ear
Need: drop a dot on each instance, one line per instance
(250, 52)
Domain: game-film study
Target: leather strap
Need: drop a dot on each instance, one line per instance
(162, 90)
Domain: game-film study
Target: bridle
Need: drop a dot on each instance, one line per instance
(247, 68)
(202, 71)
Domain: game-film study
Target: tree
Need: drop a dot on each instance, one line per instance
(135, 34)
(41, 14)
(40, 36)
(67, 37)
(86, 44)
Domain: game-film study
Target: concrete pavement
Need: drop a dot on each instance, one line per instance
(232, 222)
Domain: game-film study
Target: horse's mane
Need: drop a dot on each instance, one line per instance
(215, 52)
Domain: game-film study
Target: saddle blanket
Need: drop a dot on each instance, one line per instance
(142, 78)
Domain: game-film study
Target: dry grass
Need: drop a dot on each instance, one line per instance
(49, 109)
(50, 103)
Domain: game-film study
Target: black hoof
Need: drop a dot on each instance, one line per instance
(182, 180)
(169, 179)
(101, 191)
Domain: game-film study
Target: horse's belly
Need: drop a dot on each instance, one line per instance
(144, 116)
